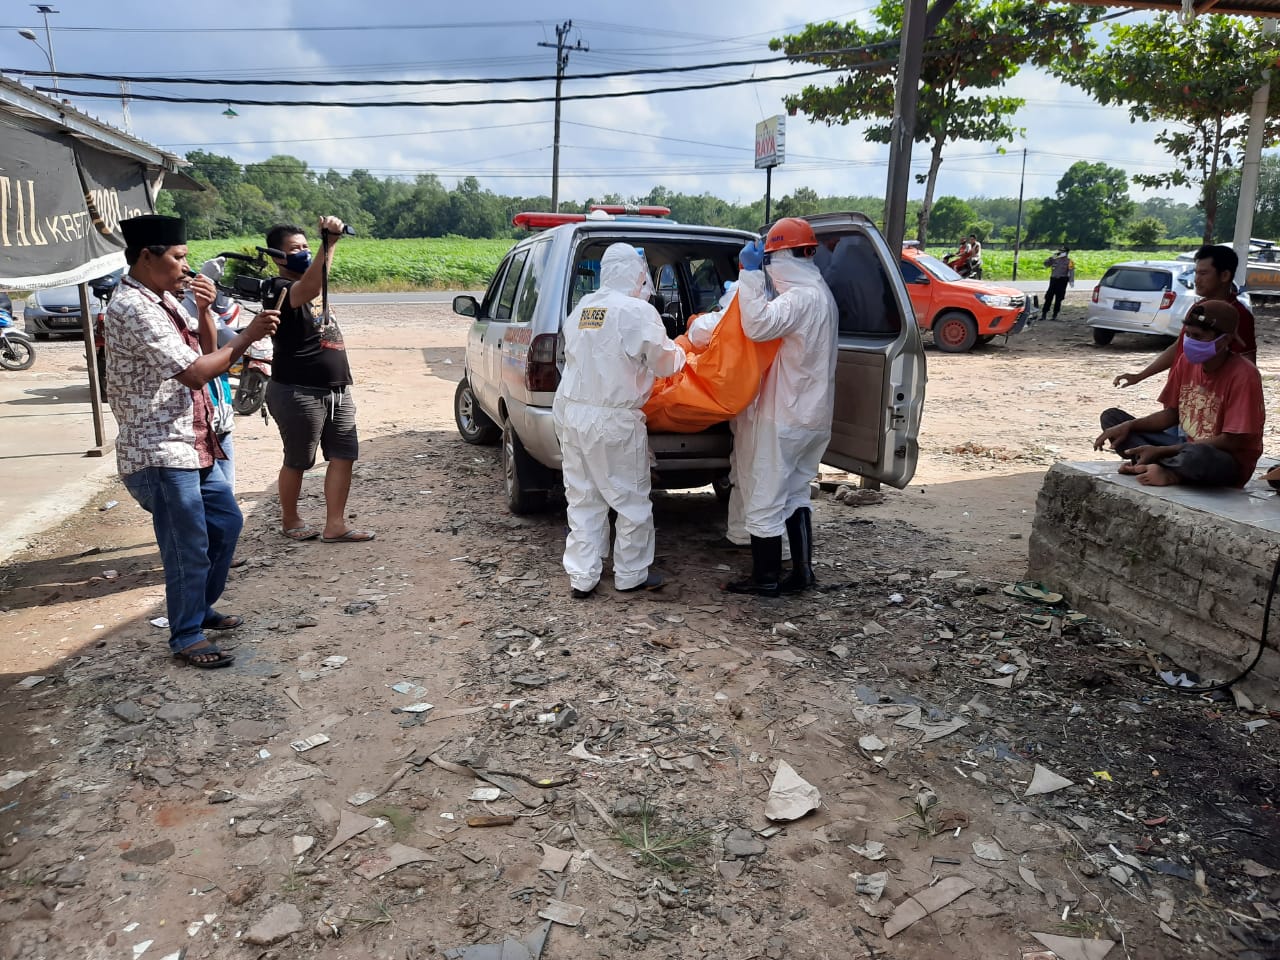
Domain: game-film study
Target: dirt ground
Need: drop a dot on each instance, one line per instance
(633, 740)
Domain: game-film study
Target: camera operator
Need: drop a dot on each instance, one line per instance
(310, 391)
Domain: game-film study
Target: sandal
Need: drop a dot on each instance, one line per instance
(351, 536)
(205, 656)
(1029, 590)
(303, 532)
(223, 622)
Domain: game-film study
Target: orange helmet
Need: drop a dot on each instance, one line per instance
(790, 232)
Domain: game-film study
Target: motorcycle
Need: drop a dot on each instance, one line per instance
(17, 352)
(970, 269)
(252, 372)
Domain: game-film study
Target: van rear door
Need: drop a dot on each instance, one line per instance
(880, 371)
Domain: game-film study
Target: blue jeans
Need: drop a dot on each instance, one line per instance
(197, 523)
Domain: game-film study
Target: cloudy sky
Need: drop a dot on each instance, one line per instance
(693, 142)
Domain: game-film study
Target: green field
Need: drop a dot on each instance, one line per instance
(364, 264)
(460, 264)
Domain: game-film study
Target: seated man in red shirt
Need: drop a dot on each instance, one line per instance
(1216, 266)
(1214, 395)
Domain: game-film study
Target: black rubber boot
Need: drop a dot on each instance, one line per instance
(766, 568)
(800, 536)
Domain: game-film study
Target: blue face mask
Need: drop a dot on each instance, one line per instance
(1201, 351)
(298, 261)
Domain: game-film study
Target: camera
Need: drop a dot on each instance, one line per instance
(259, 289)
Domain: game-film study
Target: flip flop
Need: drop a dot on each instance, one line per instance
(224, 622)
(189, 655)
(351, 536)
(1029, 590)
(303, 532)
(1040, 620)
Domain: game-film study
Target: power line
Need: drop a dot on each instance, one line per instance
(499, 101)
(450, 81)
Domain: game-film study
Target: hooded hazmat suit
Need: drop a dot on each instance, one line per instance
(614, 347)
(780, 439)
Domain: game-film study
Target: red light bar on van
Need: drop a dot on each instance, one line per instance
(631, 208)
(545, 221)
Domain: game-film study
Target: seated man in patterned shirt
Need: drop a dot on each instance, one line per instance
(159, 360)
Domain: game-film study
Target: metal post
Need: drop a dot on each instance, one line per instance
(91, 364)
(903, 126)
(1250, 166)
(768, 194)
(1017, 235)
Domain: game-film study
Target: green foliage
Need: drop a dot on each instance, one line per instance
(1091, 205)
(950, 218)
(1198, 79)
(977, 47)
(1266, 215)
(450, 263)
(1147, 231)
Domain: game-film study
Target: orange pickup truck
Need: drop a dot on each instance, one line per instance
(961, 313)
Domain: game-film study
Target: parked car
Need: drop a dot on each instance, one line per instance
(1144, 296)
(56, 311)
(961, 313)
(515, 354)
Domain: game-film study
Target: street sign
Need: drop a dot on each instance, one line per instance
(771, 137)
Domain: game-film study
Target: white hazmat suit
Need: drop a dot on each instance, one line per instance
(614, 347)
(780, 439)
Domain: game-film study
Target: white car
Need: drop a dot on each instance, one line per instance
(1144, 296)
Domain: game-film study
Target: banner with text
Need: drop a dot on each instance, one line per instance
(771, 137)
(61, 203)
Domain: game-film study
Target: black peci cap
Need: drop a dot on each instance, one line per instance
(154, 230)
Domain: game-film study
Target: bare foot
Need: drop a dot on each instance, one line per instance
(1133, 469)
(1158, 476)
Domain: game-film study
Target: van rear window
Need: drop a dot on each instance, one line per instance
(1137, 280)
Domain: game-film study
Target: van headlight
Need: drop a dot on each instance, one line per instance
(995, 299)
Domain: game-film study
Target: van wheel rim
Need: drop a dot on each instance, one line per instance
(467, 411)
(509, 462)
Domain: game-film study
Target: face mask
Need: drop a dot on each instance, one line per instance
(1201, 351)
(298, 261)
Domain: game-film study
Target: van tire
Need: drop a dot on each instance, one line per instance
(474, 425)
(1103, 337)
(520, 475)
(954, 332)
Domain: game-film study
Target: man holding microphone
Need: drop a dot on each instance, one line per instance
(159, 359)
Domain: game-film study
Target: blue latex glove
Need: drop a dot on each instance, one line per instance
(751, 256)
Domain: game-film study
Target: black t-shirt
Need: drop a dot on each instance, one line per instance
(308, 351)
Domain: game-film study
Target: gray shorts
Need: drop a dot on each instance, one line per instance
(311, 416)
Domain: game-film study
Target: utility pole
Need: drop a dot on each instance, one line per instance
(1017, 235)
(562, 62)
(124, 106)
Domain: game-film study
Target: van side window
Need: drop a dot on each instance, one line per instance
(527, 298)
(863, 291)
(708, 285)
(507, 296)
(495, 285)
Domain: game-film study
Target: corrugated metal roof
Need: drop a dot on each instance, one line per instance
(1240, 8)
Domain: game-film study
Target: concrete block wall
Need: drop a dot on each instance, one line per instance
(1188, 577)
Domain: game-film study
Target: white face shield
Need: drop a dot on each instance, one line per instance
(785, 270)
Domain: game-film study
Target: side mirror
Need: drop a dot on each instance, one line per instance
(922, 281)
(466, 306)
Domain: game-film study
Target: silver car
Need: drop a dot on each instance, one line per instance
(514, 352)
(1142, 296)
(57, 310)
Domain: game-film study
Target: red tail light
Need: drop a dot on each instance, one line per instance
(1095, 292)
(1167, 300)
(541, 375)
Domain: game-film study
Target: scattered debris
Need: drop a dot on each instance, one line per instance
(1044, 780)
(395, 856)
(279, 923)
(1075, 948)
(309, 743)
(558, 911)
(921, 904)
(790, 796)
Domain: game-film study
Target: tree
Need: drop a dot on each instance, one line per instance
(977, 47)
(950, 217)
(804, 202)
(1197, 79)
(1091, 204)
(1266, 215)
(1146, 231)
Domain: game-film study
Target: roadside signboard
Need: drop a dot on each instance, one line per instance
(771, 137)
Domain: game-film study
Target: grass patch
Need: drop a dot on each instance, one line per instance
(660, 842)
(401, 820)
